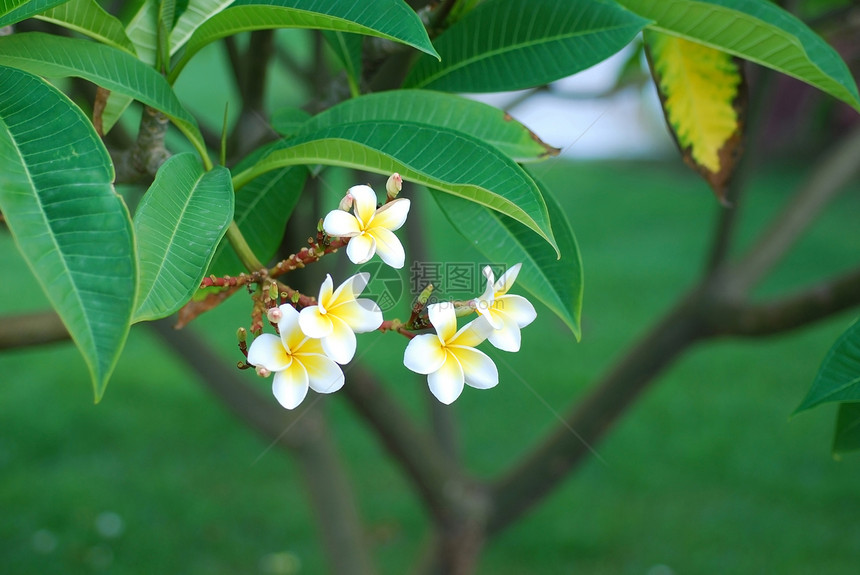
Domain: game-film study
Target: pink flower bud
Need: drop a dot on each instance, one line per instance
(346, 203)
(393, 185)
(262, 371)
(274, 314)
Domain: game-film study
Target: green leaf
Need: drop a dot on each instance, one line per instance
(289, 121)
(178, 225)
(758, 31)
(555, 282)
(513, 44)
(262, 210)
(12, 11)
(166, 12)
(478, 120)
(847, 436)
(197, 12)
(702, 91)
(838, 377)
(347, 47)
(90, 19)
(142, 30)
(71, 227)
(114, 70)
(390, 19)
(435, 157)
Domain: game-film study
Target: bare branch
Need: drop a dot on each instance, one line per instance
(792, 312)
(545, 466)
(31, 329)
(304, 432)
(826, 181)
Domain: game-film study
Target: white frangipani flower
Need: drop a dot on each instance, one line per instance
(371, 230)
(297, 361)
(449, 358)
(505, 313)
(338, 316)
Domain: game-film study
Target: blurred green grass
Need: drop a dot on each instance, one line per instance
(706, 475)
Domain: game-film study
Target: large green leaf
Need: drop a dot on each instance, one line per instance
(263, 207)
(197, 12)
(178, 225)
(12, 11)
(436, 157)
(390, 19)
(142, 30)
(847, 436)
(758, 31)
(481, 121)
(513, 44)
(838, 377)
(112, 69)
(71, 227)
(555, 282)
(90, 19)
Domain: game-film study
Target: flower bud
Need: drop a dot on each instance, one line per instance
(346, 203)
(242, 335)
(274, 314)
(393, 185)
(262, 371)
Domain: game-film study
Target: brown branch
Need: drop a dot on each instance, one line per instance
(589, 421)
(141, 161)
(791, 312)
(826, 181)
(303, 432)
(31, 329)
(435, 476)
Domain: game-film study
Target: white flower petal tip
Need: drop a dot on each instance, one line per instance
(370, 229)
(448, 358)
(505, 313)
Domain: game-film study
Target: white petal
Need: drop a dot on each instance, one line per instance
(361, 248)
(364, 205)
(392, 215)
(518, 308)
(291, 333)
(388, 247)
(361, 315)
(324, 375)
(267, 351)
(350, 289)
(314, 323)
(507, 338)
(444, 320)
(472, 333)
(507, 279)
(325, 296)
(340, 343)
(340, 224)
(446, 383)
(424, 354)
(479, 370)
(291, 385)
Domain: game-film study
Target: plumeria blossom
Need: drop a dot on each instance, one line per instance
(371, 230)
(506, 313)
(338, 316)
(297, 361)
(449, 358)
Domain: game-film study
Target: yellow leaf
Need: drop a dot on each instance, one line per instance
(702, 92)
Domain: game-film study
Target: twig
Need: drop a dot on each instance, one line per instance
(825, 182)
(303, 432)
(31, 329)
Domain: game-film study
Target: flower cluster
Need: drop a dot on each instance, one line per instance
(315, 340)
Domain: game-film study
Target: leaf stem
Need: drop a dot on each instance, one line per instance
(243, 250)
